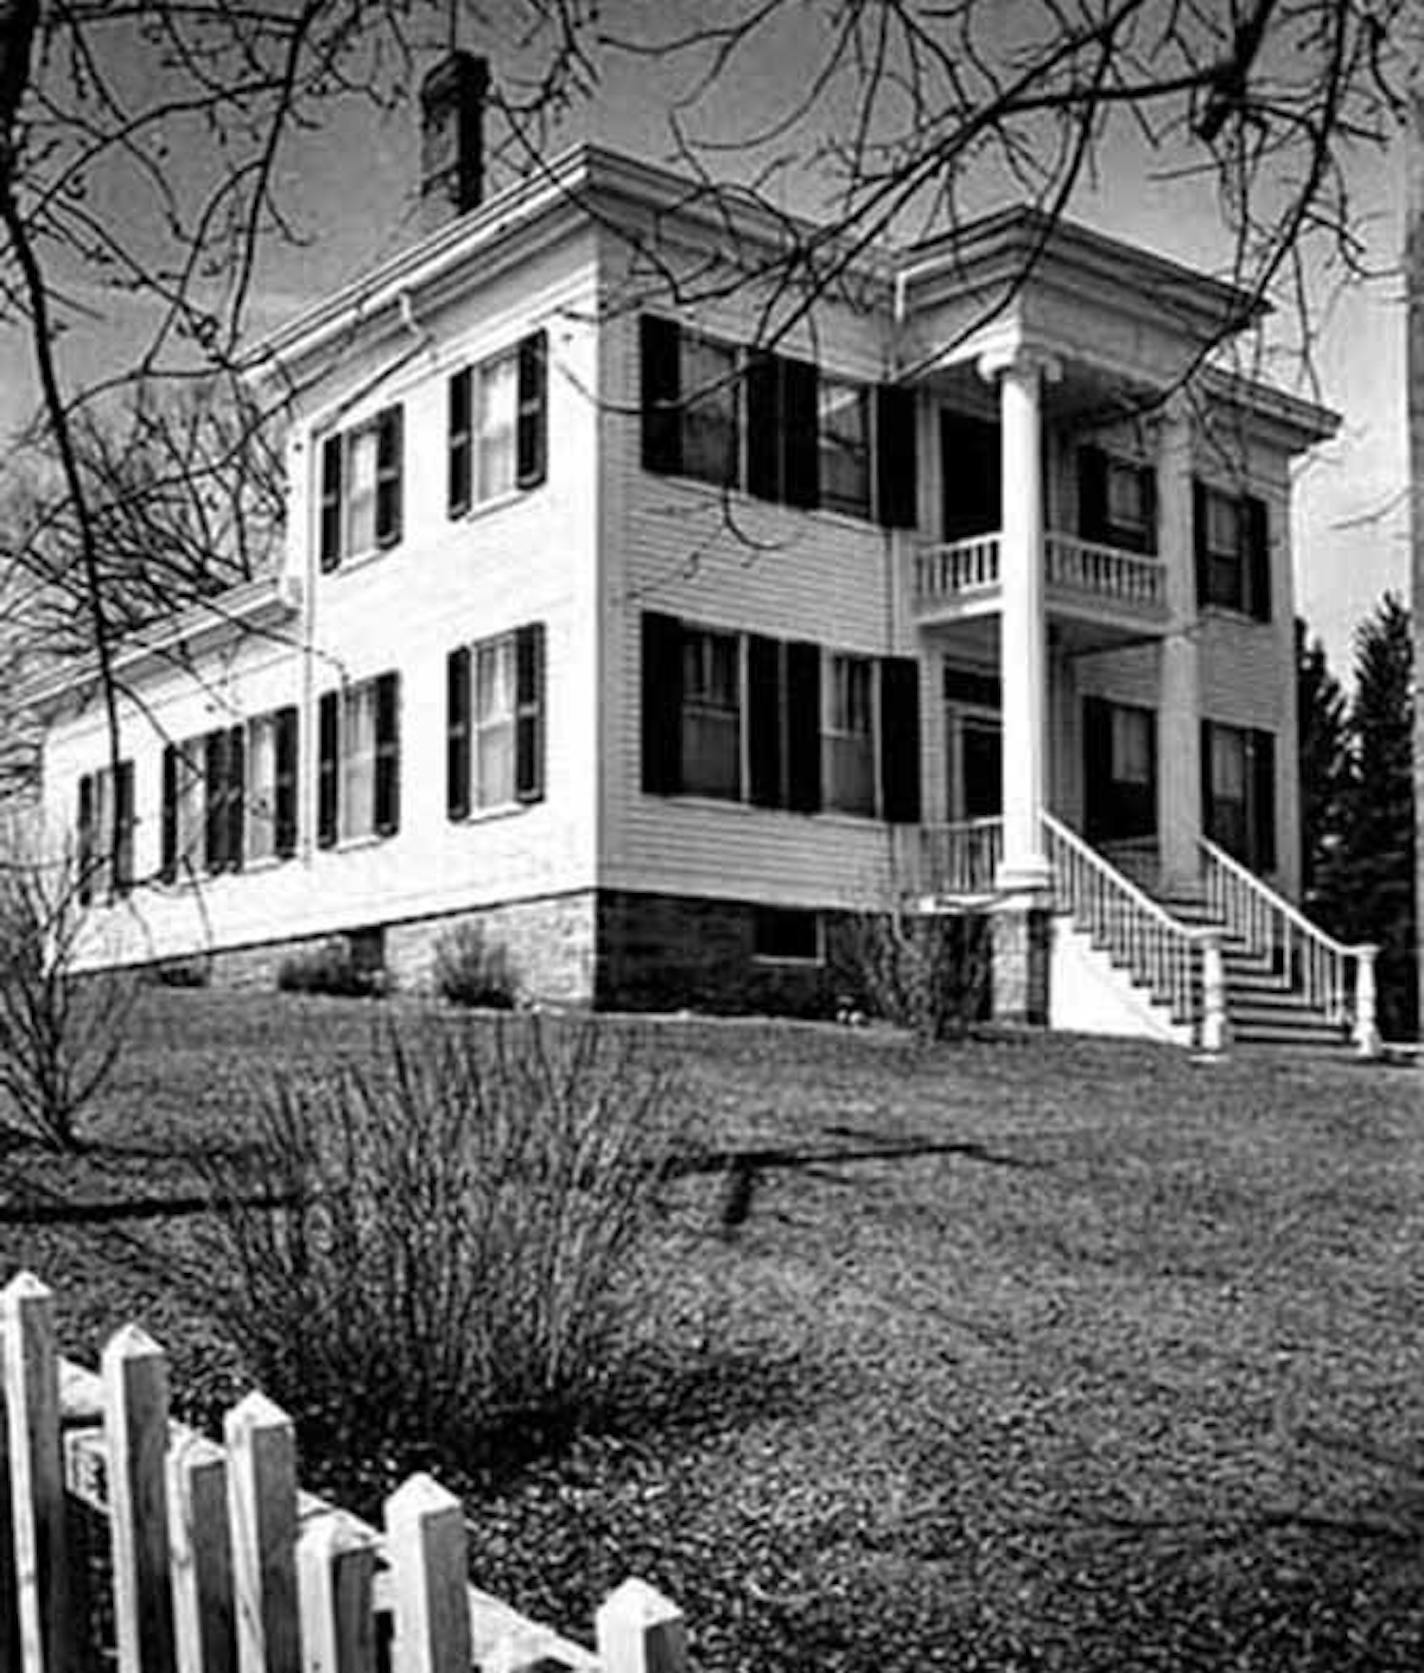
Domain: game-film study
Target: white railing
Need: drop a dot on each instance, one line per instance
(961, 859)
(1164, 955)
(1105, 571)
(959, 570)
(963, 570)
(1333, 978)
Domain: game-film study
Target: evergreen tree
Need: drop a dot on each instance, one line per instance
(1378, 901)
(1326, 773)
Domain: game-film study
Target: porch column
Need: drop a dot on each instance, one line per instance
(1023, 639)
(1179, 809)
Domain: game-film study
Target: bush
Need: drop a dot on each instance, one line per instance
(927, 972)
(60, 1031)
(456, 1253)
(470, 972)
(331, 967)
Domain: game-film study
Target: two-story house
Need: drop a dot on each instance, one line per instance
(654, 629)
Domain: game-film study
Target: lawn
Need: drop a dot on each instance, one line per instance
(1120, 1368)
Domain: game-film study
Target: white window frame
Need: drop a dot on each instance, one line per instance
(828, 388)
(356, 768)
(722, 387)
(260, 811)
(358, 443)
(502, 649)
(494, 434)
(704, 704)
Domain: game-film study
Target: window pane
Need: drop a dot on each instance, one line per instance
(262, 787)
(358, 762)
(711, 714)
(1126, 500)
(709, 413)
(192, 796)
(850, 754)
(1223, 524)
(1228, 764)
(360, 491)
(499, 398)
(494, 722)
(1131, 746)
(845, 446)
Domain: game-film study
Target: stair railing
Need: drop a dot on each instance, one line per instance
(1333, 978)
(1157, 950)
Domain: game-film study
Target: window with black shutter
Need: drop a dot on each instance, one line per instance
(1117, 501)
(389, 469)
(284, 786)
(533, 422)
(168, 817)
(1119, 770)
(84, 844)
(459, 445)
(896, 444)
(900, 740)
(1239, 792)
(529, 713)
(331, 450)
(457, 733)
(1233, 550)
(661, 691)
(387, 787)
(123, 833)
(328, 768)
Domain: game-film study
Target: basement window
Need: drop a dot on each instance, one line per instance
(788, 935)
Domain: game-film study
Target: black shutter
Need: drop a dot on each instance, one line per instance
(390, 429)
(459, 446)
(532, 459)
(123, 871)
(803, 727)
(84, 839)
(1199, 549)
(387, 799)
(457, 733)
(1256, 532)
(284, 785)
(331, 502)
(1148, 477)
(1208, 800)
(328, 731)
(659, 341)
(900, 739)
(662, 704)
(168, 816)
(764, 720)
(1092, 493)
(236, 796)
(764, 425)
(529, 675)
(215, 800)
(896, 492)
(1263, 801)
(800, 434)
(1097, 768)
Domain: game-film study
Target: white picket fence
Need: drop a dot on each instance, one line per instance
(217, 1562)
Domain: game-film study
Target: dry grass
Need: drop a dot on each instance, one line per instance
(1137, 1386)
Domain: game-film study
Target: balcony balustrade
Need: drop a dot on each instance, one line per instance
(962, 578)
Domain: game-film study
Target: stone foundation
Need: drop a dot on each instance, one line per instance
(1022, 943)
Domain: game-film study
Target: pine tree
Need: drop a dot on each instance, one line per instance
(1378, 869)
(1326, 773)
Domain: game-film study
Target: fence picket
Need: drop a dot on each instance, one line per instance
(49, 1633)
(640, 1631)
(204, 1631)
(336, 1571)
(262, 1511)
(425, 1543)
(135, 1376)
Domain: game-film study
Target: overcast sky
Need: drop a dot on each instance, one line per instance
(355, 183)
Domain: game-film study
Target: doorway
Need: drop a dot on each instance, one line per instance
(974, 762)
(971, 475)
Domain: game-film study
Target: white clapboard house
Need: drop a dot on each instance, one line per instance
(654, 631)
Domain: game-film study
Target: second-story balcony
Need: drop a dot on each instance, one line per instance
(958, 579)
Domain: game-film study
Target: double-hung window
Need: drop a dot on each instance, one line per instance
(358, 761)
(712, 713)
(1232, 551)
(777, 723)
(361, 488)
(850, 733)
(1239, 792)
(1117, 501)
(495, 722)
(104, 839)
(498, 421)
(230, 796)
(844, 442)
(1226, 581)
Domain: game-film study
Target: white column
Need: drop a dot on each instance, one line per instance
(1179, 808)
(1023, 637)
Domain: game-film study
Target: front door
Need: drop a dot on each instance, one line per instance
(974, 763)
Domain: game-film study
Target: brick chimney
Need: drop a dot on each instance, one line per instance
(452, 141)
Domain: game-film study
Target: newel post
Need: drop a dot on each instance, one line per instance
(1213, 1031)
(1366, 1034)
